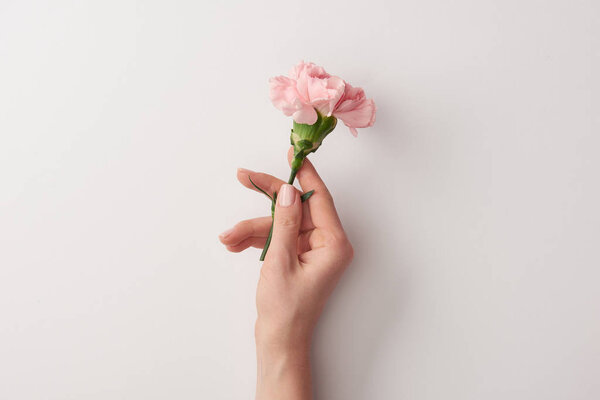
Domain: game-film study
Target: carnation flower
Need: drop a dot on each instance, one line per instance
(309, 90)
(315, 100)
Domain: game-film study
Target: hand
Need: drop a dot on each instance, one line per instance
(309, 252)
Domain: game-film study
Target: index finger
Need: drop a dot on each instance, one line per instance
(266, 182)
(320, 204)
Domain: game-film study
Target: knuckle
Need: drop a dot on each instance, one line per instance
(286, 220)
(350, 252)
(344, 249)
(245, 226)
(242, 224)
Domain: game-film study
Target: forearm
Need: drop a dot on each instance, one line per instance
(283, 366)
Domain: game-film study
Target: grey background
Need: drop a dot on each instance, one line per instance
(473, 203)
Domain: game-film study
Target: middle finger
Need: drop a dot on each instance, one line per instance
(256, 227)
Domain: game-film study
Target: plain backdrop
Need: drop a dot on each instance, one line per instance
(473, 203)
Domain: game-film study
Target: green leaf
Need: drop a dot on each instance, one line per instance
(306, 195)
(259, 189)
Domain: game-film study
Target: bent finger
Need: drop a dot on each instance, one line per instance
(256, 227)
(266, 182)
(256, 242)
(270, 184)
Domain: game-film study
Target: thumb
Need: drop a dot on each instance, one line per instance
(286, 226)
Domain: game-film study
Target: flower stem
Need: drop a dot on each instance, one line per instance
(292, 177)
(296, 164)
(268, 242)
(293, 173)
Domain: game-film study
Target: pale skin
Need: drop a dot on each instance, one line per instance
(309, 252)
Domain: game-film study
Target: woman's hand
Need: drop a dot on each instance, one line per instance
(309, 251)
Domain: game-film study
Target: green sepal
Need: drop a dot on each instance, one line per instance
(304, 144)
(307, 138)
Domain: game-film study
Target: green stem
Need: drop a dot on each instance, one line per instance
(296, 164)
(267, 243)
(292, 177)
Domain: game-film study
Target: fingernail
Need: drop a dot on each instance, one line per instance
(244, 170)
(286, 195)
(226, 233)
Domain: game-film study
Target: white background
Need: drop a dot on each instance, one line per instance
(473, 203)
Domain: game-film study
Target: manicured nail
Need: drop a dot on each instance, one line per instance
(226, 233)
(286, 195)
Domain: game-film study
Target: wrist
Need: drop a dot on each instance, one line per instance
(282, 338)
(283, 362)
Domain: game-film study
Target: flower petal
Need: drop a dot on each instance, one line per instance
(361, 116)
(283, 94)
(354, 109)
(306, 115)
(325, 96)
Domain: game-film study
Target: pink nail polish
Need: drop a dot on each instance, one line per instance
(286, 195)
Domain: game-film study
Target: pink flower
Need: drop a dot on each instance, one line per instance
(308, 89)
(355, 110)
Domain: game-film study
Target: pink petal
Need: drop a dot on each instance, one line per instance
(309, 88)
(326, 94)
(354, 109)
(283, 94)
(306, 115)
(362, 116)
